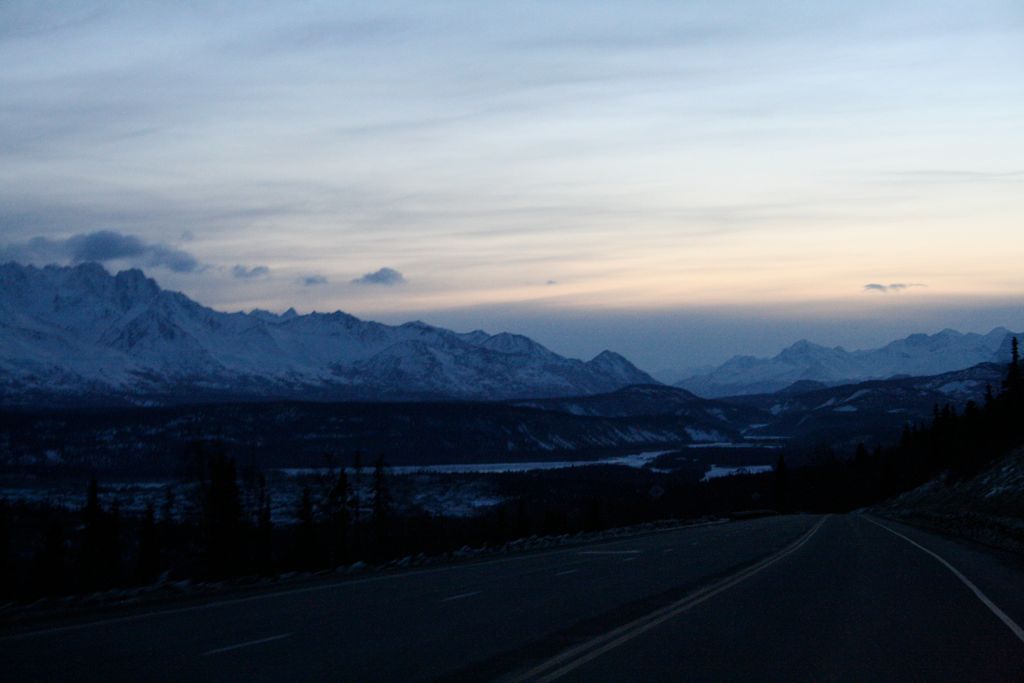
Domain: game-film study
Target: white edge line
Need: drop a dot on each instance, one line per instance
(610, 552)
(609, 641)
(246, 644)
(460, 596)
(1003, 616)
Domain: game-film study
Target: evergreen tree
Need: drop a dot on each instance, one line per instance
(221, 512)
(355, 501)
(1013, 377)
(306, 538)
(111, 546)
(381, 493)
(264, 527)
(167, 507)
(381, 507)
(6, 568)
(149, 548)
(781, 484)
(91, 550)
(49, 570)
(336, 511)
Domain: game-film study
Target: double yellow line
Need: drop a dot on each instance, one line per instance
(573, 658)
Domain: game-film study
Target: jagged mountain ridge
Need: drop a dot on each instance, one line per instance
(706, 419)
(916, 355)
(81, 333)
(873, 411)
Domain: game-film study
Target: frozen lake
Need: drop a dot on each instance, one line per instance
(637, 460)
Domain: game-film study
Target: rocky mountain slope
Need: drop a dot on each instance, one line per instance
(706, 419)
(988, 507)
(873, 411)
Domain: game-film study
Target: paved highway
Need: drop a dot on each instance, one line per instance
(844, 597)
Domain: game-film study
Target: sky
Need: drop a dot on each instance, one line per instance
(678, 181)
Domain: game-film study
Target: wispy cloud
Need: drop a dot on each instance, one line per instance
(955, 176)
(895, 287)
(384, 276)
(313, 280)
(101, 246)
(245, 273)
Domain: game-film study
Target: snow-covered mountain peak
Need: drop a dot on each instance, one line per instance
(617, 366)
(82, 331)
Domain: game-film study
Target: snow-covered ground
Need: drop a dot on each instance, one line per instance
(728, 444)
(635, 460)
(715, 471)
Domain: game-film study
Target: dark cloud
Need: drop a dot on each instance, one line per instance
(894, 287)
(552, 282)
(101, 246)
(245, 273)
(313, 280)
(384, 276)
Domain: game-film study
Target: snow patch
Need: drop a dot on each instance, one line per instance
(715, 472)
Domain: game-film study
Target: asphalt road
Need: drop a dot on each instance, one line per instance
(788, 598)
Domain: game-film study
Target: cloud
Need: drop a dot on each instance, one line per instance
(955, 176)
(895, 287)
(552, 282)
(244, 273)
(100, 246)
(313, 280)
(384, 276)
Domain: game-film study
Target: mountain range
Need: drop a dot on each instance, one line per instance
(916, 355)
(78, 333)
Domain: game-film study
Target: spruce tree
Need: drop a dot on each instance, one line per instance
(307, 530)
(264, 527)
(381, 493)
(221, 511)
(1013, 379)
(381, 507)
(49, 567)
(781, 484)
(149, 548)
(91, 549)
(336, 511)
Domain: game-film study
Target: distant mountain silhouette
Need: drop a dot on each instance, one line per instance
(916, 355)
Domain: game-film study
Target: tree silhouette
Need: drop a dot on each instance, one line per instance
(336, 511)
(306, 539)
(1013, 378)
(90, 555)
(264, 551)
(381, 493)
(781, 484)
(49, 569)
(381, 506)
(355, 501)
(220, 510)
(149, 548)
(6, 568)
